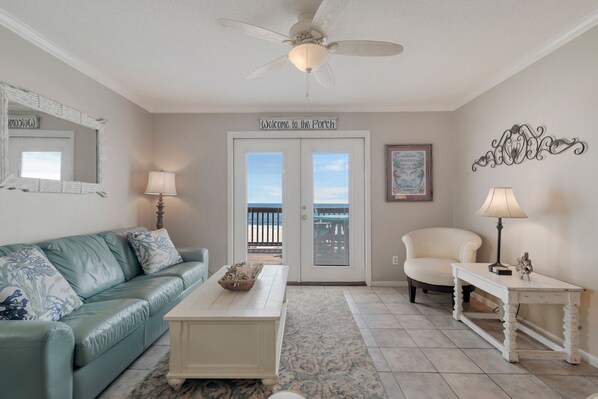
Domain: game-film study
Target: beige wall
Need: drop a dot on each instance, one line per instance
(558, 193)
(195, 146)
(28, 217)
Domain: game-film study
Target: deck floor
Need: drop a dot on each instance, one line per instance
(273, 256)
(267, 256)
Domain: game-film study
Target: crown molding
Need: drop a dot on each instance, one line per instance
(18, 27)
(551, 45)
(199, 109)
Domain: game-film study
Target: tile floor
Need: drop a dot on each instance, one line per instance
(421, 352)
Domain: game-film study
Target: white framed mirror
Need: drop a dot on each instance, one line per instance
(48, 147)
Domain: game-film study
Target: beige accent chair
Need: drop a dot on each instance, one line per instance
(430, 253)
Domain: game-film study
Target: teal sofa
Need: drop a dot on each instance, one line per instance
(122, 315)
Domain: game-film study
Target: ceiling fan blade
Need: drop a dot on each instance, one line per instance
(327, 15)
(324, 75)
(253, 30)
(364, 48)
(269, 67)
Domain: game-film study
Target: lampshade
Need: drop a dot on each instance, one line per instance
(308, 57)
(501, 203)
(161, 183)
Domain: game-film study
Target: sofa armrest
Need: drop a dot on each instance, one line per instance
(37, 359)
(194, 255)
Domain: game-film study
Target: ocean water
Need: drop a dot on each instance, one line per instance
(273, 219)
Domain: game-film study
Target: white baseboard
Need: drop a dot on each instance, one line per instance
(389, 284)
(538, 333)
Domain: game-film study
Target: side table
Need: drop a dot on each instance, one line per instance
(512, 291)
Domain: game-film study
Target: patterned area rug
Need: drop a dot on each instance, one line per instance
(323, 356)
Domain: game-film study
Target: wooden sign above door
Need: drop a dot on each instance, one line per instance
(302, 123)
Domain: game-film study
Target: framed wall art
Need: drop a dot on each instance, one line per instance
(409, 172)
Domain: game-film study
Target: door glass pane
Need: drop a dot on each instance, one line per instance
(331, 209)
(41, 164)
(264, 208)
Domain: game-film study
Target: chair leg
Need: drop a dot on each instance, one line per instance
(466, 295)
(411, 290)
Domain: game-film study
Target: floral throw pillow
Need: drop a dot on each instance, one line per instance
(154, 249)
(31, 288)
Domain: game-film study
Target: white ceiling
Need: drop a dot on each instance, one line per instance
(172, 56)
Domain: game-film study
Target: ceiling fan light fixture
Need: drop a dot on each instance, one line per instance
(308, 57)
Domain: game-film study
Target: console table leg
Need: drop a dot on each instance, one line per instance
(509, 351)
(270, 381)
(176, 383)
(458, 307)
(570, 325)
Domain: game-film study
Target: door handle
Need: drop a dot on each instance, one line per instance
(304, 217)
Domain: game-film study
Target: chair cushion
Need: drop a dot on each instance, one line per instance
(189, 272)
(99, 326)
(435, 271)
(157, 291)
(123, 252)
(32, 288)
(86, 263)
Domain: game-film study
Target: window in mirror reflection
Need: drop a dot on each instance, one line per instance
(41, 165)
(76, 144)
(42, 154)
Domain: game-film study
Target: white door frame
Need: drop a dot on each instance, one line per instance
(300, 134)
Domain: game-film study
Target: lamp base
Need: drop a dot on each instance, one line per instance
(500, 269)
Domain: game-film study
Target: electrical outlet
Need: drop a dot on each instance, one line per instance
(395, 260)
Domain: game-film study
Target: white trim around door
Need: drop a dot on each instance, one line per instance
(364, 134)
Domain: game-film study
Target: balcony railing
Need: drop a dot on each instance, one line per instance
(264, 225)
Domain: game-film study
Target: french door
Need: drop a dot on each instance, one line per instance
(301, 202)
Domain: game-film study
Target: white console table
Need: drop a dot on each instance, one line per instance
(215, 333)
(512, 291)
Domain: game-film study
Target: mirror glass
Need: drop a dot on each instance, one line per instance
(48, 147)
(43, 146)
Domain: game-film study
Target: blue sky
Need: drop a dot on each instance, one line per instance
(264, 178)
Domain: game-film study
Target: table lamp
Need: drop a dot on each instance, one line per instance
(500, 203)
(160, 183)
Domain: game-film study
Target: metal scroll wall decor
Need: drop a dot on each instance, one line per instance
(522, 142)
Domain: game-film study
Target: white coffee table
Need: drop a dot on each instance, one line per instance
(512, 291)
(215, 333)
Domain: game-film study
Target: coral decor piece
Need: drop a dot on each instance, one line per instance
(522, 142)
(524, 266)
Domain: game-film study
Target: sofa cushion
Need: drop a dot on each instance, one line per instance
(86, 263)
(33, 288)
(99, 326)
(158, 291)
(154, 249)
(123, 252)
(435, 271)
(189, 272)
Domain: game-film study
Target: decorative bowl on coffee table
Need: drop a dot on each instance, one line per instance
(240, 276)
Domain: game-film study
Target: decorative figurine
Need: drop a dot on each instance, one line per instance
(524, 266)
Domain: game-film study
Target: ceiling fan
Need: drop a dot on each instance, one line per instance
(310, 48)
